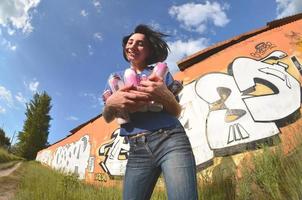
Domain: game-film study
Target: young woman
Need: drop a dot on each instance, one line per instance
(158, 142)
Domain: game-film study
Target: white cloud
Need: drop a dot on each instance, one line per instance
(33, 86)
(181, 49)
(154, 25)
(83, 13)
(196, 17)
(90, 50)
(21, 99)
(97, 5)
(90, 95)
(288, 7)
(6, 96)
(2, 110)
(98, 36)
(95, 100)
(16, 14)
(72, 118)
(8, 45)
(11, 31)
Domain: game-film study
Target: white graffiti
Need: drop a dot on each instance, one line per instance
(229, 123)
(113, 164)
(235, 117)
(73, 157)
(45, 157)
(284, 101)
(193, 118)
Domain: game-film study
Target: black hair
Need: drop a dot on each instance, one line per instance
(158, 46)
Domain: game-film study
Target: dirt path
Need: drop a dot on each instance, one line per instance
(8, 171)
(8, 182)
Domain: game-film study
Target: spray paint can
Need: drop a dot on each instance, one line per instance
(106, 95)
(130, 77)
(115, 82)
(161, 69)
(143, 77)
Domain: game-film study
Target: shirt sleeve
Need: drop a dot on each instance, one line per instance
(169, 79)
(169, 82)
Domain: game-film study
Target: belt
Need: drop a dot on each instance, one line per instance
(146, 133)
(139, 135)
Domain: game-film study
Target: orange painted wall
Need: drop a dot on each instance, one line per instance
(287, 38)
(279, 37)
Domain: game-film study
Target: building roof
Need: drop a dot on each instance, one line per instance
(205, 53)
(84, 124)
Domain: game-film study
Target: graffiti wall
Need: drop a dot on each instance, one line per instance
(242, 95)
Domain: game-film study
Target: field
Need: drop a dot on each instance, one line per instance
(268, 174)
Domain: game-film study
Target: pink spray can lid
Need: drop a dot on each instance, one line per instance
(130, 77)
(161, 69)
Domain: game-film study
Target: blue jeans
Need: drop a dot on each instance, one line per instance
(168, 151)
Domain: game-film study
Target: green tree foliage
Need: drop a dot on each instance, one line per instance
(35, 131)
(4, 141)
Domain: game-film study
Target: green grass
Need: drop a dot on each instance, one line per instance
(6, 157)
(268, 175)
(273, 176)
(40, 182)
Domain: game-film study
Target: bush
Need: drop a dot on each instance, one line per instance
(6, 157)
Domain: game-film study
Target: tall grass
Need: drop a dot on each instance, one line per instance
(273, 176)
(6, 157)
(269, 175)
(40, 182)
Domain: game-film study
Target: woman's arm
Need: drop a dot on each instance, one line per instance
(124, 99)
(159, 92)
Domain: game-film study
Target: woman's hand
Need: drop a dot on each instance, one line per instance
(154, 87)
(125, 99)
(157, 91)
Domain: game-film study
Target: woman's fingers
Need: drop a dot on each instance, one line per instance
(137, 95)
(127, 88)
(155, 78)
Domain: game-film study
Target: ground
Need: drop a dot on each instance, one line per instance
(8, 182)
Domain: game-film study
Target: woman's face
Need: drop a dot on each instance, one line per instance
(137, 49)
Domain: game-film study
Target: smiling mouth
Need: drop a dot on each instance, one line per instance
(132, 53)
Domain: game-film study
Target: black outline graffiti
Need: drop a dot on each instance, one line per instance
(100, 177)
(108, 145)
(274, 55)
(237, 132)
(262, 48)
(297, 64)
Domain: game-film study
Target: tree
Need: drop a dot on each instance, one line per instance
(35, 131)
(4, 141)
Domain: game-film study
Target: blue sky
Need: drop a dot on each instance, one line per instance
(69, 47)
